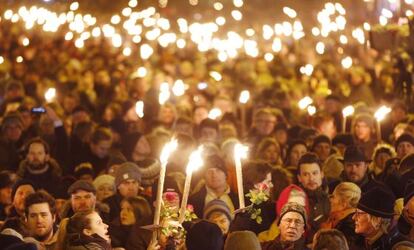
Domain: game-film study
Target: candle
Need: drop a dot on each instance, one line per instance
(139, 108)
(240, 152)
(195, 162)
(347, 111)
(379, 116)
(243, 99)
(305, 102)
(50, 94)
(165, 155)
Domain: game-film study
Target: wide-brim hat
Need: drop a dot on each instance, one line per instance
(378, 201)
(354, 154)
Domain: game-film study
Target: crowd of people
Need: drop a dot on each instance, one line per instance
(80, 171)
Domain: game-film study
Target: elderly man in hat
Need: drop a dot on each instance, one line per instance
(355, 169)
(83, 198)
(373, 217)
(292, 225)
(127, 183)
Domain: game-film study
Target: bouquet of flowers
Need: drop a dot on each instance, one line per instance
(258, 195)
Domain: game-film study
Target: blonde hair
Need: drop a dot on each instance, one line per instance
(349, 193)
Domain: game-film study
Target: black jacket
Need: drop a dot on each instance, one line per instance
(242, 221)
(198, 200)
(347, 227)
(319, 209)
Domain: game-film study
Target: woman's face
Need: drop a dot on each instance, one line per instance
(336, 203)
(297, 152)
(127, 215)
(362, 131)
(381, 158)
(220, 220)
(97, 226)
(104, 191)
(167, 115)
(142, 149)
(271, 154)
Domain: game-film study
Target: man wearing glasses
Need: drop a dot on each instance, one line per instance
(373, 218)
(292, 224)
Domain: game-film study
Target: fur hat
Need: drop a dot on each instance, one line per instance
(150, 171)
(104, 179)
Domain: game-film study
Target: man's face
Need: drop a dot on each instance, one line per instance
(404, 148)
(83, 200)
(101, 149)
(363, 223)
(40, 221)
(215, 178)
(220, 220)
(21, 193)
(409, 211)
(13, 131)
(362, 131)
(142, 149)
(323, 150)
(208, 135)
(129, 188)
(36, 156)
(328, 128)
(355, 171)
(5, 195)
(292, 227)
(265, 124)
(310, 176)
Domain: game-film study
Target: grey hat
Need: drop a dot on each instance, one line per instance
(81, 185)
(126, 171)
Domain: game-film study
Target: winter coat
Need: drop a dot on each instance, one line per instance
(277, 244)
(242, 220)
(319, 209)
(47, 178)
(198, 201)
(84, 242)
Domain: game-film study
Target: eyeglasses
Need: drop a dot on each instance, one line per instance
(359, 213)
(296, 222)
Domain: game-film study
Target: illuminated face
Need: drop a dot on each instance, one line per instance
(128, 188)
(363, 223)
(97, 226)
(409, 211)
(167, 115)
(5, 195)
(404, 148)
(323, 150)
(271, 153)
(101, 149)
(220, 220)
(355, 171)
(104, 191)
(37, 155)
(127, 215)
(142, 149)
(83, 201)
(40, 221)
(265, 124)
(291, 227)
(215, 178)
(362, 131)
(297, 152)
(208, 135)
(310, 176)
(381, 159)
(21, 193)
(336, 203)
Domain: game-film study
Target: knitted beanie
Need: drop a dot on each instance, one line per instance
(217, 205)
(126, 171)
(242, 240)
